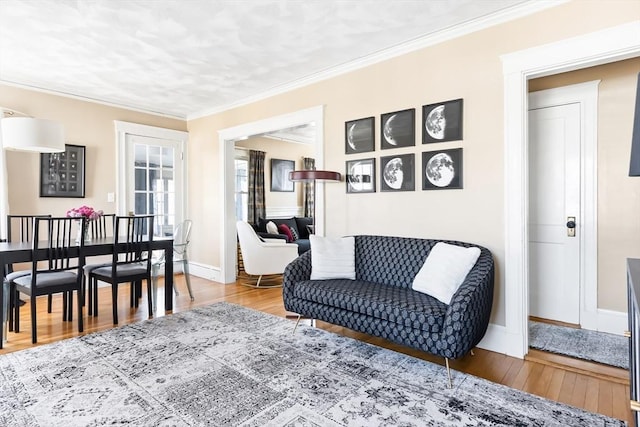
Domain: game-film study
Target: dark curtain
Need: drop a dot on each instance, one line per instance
(256, 208)
(308, 189)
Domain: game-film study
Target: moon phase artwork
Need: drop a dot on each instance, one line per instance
(442, 170)
(361, 176)
(359, 135)
(442, 121)
(398, 129)
(398, 173)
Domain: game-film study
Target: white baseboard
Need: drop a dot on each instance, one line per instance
(205, 271)
(494, 339)
(613, 322)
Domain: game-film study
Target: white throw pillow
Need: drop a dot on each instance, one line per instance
(444, 270)
(332, 257)
(271, 227)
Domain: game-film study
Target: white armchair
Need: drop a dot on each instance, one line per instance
(263, 256)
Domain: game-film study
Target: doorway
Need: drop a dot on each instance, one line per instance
(600, 47)
(151, 175)
(227, 139)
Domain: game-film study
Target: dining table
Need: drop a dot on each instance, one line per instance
(19, 252)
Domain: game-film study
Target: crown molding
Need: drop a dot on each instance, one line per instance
(92, 100)
(459, 30)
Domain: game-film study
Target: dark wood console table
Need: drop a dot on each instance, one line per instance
(633, 295)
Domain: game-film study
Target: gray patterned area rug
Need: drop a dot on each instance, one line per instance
(227, 365)
(600, 347)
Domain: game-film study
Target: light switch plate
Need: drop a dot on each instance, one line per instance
(111, 197)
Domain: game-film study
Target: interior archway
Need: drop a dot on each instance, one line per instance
(227, 138)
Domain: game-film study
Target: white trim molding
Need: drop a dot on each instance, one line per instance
(609, 45)
(437, 37)
(205, 271)
(283, 211)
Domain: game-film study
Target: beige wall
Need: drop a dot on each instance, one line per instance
(275, 149)
(468, 67)
(85, 123)
(618, 194)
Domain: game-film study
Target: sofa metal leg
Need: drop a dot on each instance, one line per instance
(472, 353)
(296, 326)
(446, 361)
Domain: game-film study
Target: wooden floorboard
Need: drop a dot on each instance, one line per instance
(593, 387)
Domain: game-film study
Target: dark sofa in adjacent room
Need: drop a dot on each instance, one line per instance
(300, 228)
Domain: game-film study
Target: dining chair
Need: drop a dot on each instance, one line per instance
(62, 273)
(19, 229)
(98, 228)
(130, 262)
(181, 239)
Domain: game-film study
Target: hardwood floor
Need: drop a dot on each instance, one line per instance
(593, 387)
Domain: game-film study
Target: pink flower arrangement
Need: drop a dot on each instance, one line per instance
(84, 211)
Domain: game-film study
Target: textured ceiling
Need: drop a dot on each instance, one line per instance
(186, 58)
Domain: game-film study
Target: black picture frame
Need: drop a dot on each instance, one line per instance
(63, 174)
(398, 129)
(391, 166)
(280, 181)
(359, 135)
(442, 122)
(360, 175)
(442, 169)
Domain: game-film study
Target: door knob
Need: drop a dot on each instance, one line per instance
(571, 226)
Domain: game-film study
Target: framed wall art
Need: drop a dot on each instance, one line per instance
(442, 170)
(359, 136)
(280, 169)
(361, 176)
(63, 174)
(398, 129)
(398, 173)
(442, 121)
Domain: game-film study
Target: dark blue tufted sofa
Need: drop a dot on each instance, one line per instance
(381, 302)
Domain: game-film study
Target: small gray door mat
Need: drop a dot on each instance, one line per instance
(600, 347)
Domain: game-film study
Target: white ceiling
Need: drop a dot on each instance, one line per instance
(189, 58)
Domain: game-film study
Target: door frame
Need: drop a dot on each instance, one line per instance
(600, 47)
(586, 95)
(126, 128)
(226, 140)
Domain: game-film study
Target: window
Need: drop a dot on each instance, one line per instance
(241, 185)
(154, 185)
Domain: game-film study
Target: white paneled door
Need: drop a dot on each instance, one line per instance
(554, 213)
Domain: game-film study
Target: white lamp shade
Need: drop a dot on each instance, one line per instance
(29, 134)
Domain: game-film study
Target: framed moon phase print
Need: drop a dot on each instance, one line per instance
(398, 129)
(398, 173)
(442, 170)
(361, 176)
(359, 136)
(62, 174)
(442, 121)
